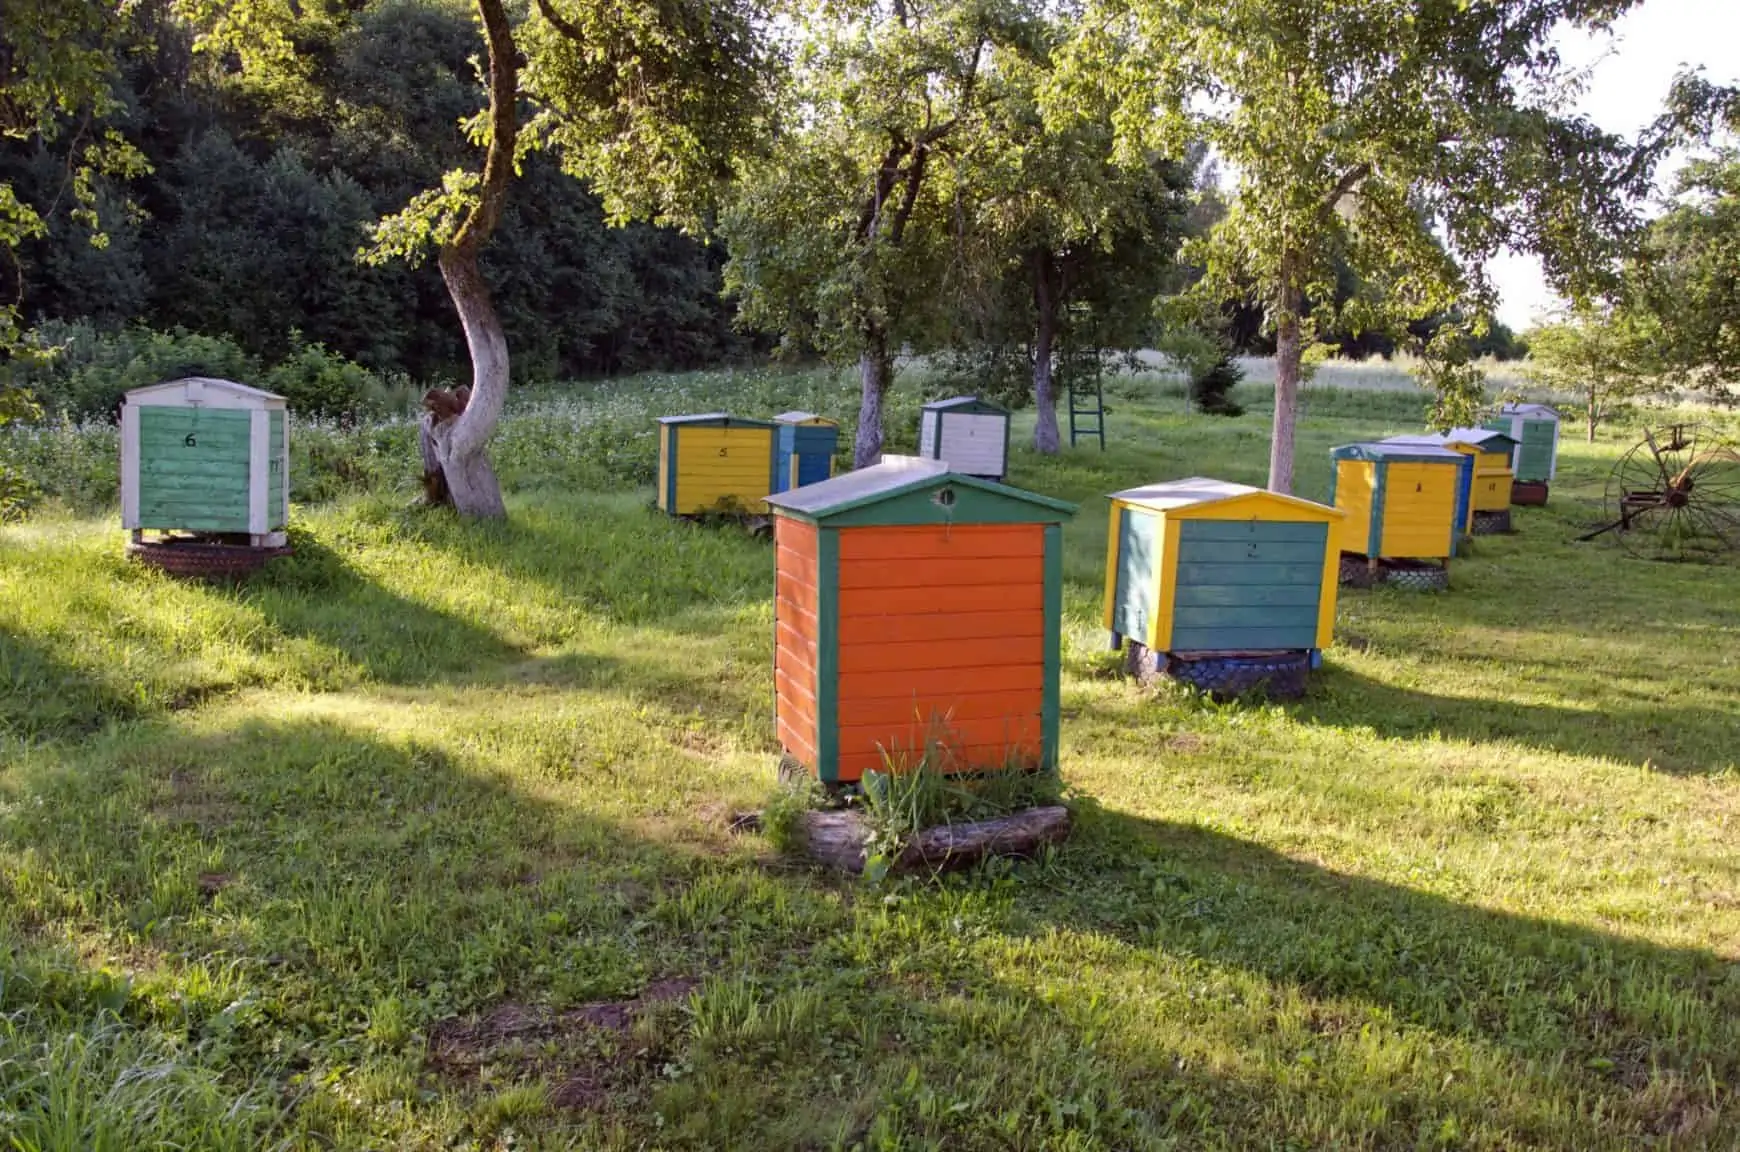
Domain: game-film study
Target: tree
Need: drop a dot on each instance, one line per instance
(1691, 275)
(1605, 353)
(839, 237)
(641, 98)
(56, 75)
(1402, 136)
(1075, 246)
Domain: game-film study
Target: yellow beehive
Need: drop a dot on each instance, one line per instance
(714, 462)
(1401, 500)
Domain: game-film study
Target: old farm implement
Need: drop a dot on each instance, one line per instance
(1675, 496)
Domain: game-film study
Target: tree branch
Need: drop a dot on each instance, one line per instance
(1349, 181)
(559, 22)
(498, 165)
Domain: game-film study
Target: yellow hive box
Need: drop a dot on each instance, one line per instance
(714, 462)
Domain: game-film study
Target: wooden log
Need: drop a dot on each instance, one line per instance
(837, 840)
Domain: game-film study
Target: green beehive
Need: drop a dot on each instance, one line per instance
(206, 456)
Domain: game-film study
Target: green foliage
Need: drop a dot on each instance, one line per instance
(1608, 356)
(79, 371)
(1210, 370)
(1449, 368)
(1400, 142)
(319, 383)
(1687, 278)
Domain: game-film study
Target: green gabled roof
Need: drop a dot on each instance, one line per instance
(1479, 436)
(966, 404)
(716, 418)
(903, 490)
(1402, 448)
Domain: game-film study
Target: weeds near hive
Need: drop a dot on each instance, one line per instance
(928, 787)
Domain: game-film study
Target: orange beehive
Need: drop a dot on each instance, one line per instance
(914, 603)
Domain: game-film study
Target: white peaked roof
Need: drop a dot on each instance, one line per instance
(1529, 410)
(194, 388)
(1201, 490)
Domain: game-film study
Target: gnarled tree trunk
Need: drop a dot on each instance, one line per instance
(461, 445)
(1289, 359)
(1046, 437)
(875, 374)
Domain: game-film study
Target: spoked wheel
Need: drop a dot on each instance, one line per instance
(1676, 496)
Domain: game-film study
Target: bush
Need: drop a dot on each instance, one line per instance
(325, 385)
(80, 372)
(1211, 387)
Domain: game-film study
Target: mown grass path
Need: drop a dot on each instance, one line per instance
(420, 842)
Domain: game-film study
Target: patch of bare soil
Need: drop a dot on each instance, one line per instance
(586, 1054)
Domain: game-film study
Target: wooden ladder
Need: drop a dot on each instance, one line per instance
(1087, 412)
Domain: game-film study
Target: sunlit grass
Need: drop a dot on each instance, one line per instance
(275, 860)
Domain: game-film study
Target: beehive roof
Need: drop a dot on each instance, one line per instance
(1200, 490)
(900, 476)
(1521, 409)
(798, 417)
(966, 402)
(716, 418)
(1401, 448)
(192, 385)
(1477, 436)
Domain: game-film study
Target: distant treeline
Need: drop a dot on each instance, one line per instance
(249, 222)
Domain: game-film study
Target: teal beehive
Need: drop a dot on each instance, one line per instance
(803, 450)
(208, 457)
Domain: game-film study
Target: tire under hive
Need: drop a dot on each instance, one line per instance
(1225, 676)
(200, 559)
(1412, 575)
(1528, 493)
(1492, 523)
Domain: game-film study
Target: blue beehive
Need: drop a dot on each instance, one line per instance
(803, 451)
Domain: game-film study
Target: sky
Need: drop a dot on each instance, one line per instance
(1633, 67)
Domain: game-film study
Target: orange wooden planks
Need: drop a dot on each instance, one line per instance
(928, 685)
(929, 655)
(957, 626)
(943, 710)
(960, 542)
(936, 601)
(942, 573)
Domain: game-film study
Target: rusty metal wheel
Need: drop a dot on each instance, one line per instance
(1675, 496)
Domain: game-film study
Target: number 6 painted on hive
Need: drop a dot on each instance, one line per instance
(190, 441)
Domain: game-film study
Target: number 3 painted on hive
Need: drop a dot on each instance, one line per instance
(190, 441)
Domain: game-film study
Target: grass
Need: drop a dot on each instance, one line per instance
(421, 842)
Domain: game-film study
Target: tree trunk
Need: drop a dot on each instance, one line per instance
(1594, 415)
(1046, 438)
(462, 444)
(875, 374)
(1289, 357)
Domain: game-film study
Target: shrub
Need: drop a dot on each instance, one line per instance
(1211, 387)
(81, 371)
(323, 384)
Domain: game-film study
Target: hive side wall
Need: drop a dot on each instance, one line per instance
(1419, 510)
(278, 471)
(666, 496)
(193, 466)
(1136, 572)
(1355, 491)
(714, 465)
(974, 444)
(1247, 584)
(942, 631)
(796, 662)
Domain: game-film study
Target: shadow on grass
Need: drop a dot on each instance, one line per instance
(317, 594)
(313, 899)
(1636, 1040)
(1681, 741)
(43, 696)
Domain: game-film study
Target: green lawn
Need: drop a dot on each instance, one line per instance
(421, 841)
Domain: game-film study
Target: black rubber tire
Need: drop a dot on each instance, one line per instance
(1492, 523)
(196, 561)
